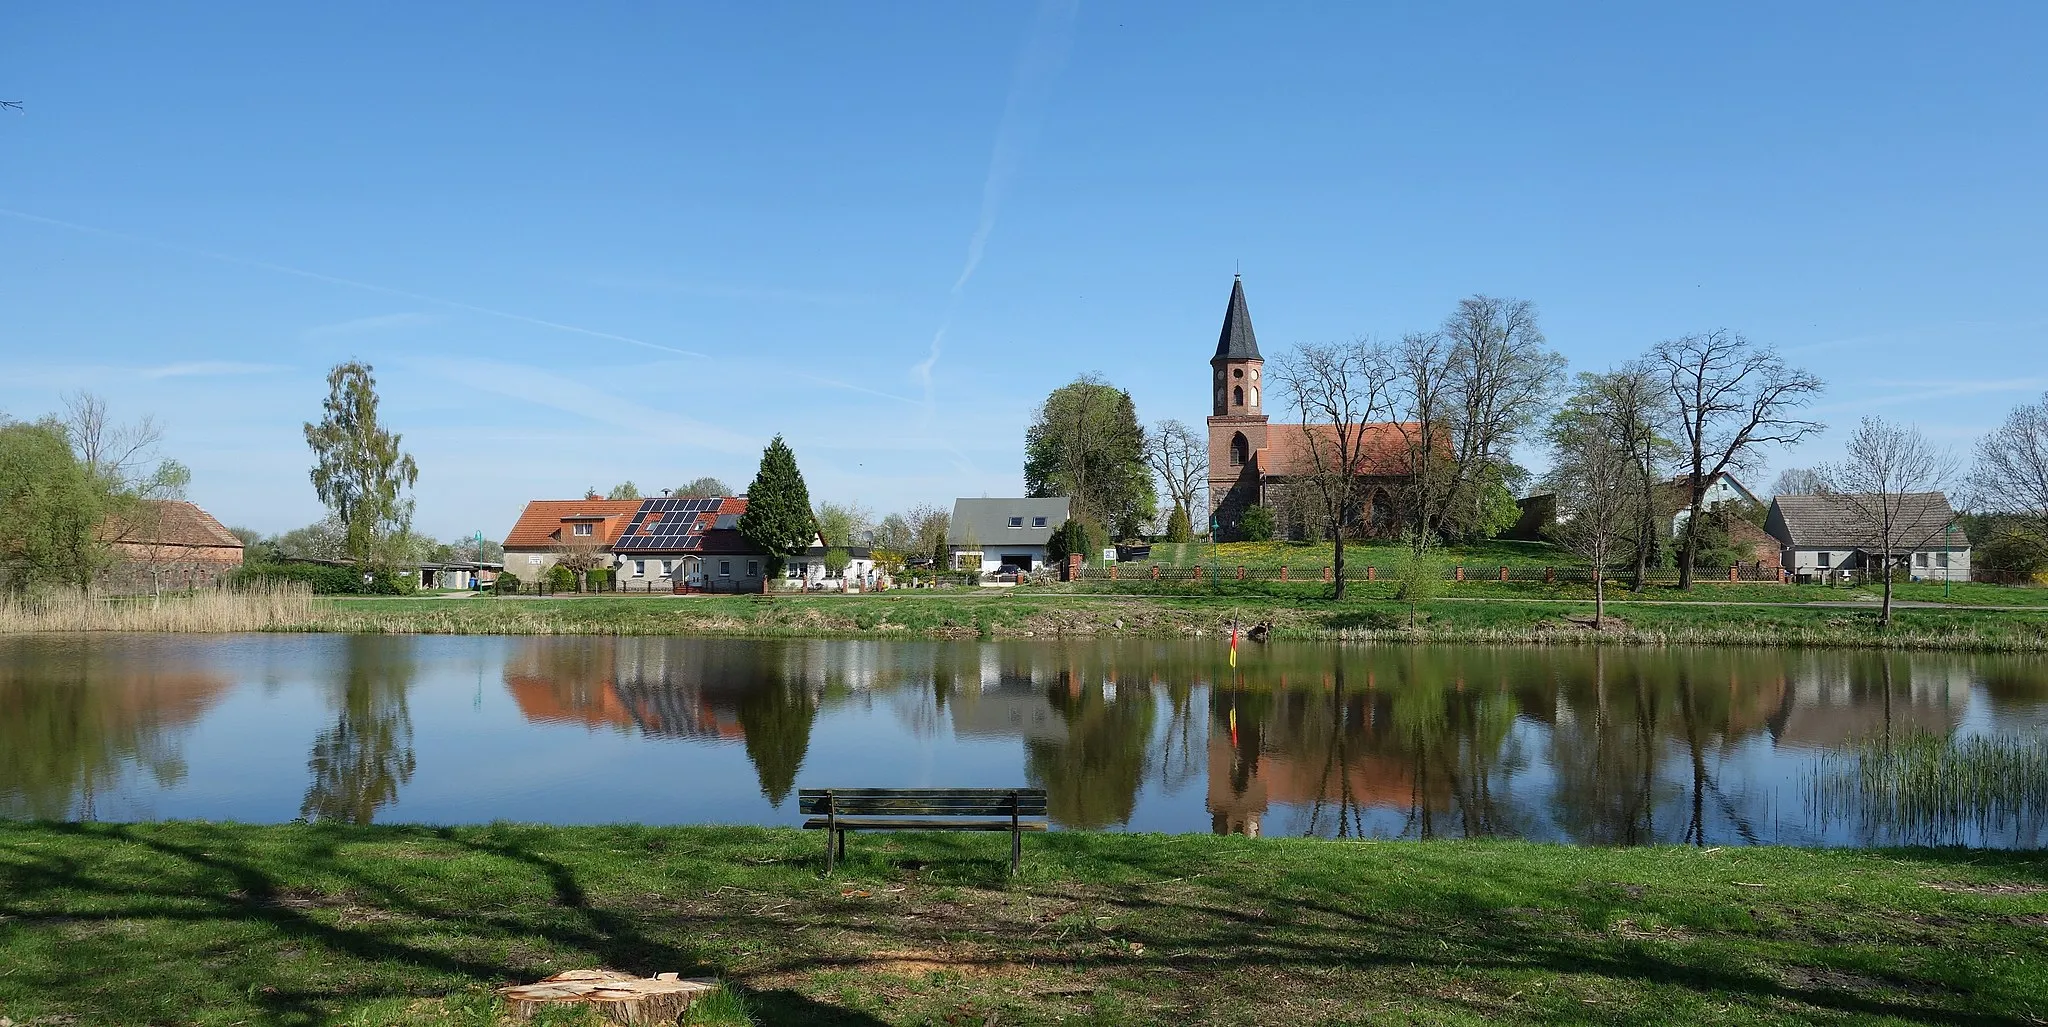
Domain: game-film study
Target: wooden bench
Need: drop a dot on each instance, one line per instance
(839, 810)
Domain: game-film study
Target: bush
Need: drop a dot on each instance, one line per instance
(507, 584)
(327, 579)
(2014, 555)
(836, 561)
(1256, 525)
(600, 578)
(561, 579)
(1075, 536)
(1178, 527)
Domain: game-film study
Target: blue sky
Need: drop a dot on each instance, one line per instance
(587, 243)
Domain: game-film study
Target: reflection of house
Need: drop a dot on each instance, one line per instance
(593, 684)
(1303, 772)
(1850, 703)
(1016, 707)
(168, 543)
(1004, 533)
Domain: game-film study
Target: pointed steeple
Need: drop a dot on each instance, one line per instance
(1237, 342)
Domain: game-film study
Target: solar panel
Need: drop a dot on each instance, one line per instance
(668, 525)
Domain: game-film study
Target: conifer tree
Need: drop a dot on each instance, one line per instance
(778, 521)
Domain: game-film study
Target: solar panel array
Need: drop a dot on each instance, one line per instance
(669, 525)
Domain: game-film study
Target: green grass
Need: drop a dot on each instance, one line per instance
(1927, 786)
(188, 923)
(1309, 556)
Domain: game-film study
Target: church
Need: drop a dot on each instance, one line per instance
(1255, 462)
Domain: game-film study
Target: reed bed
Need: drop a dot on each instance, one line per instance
(283, 606)
(1929, 789)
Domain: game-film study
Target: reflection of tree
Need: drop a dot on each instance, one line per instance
(74, 718)
(776, 715)
(359, 763)
(1092, 778)
(1605, 758)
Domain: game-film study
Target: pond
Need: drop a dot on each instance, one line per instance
(1700, 746)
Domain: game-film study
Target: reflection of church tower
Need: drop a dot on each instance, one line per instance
(1237, 421)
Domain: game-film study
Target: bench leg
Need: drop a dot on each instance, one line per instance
(842, 845)
(1016, 850)
(828, 851)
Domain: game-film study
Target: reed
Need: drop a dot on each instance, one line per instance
(282, 606)
(1930, 789)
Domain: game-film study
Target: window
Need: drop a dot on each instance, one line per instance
(1038, 522)
(753, 568)
(640, 568)
(1237, 395)
(1919, 559)
(1825, 560)
(1255, 395)
(1941, 559)
(1016, 522)
(582, 529)
(725, 568)
(1240, 450)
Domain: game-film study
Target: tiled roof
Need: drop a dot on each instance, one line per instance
(1237, 341)
(1382, 448)
(1836, 521)
(540, 525)
(171, 522)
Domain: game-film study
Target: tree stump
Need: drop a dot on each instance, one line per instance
(621, 998)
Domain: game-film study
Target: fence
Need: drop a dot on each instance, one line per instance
(1763, 573)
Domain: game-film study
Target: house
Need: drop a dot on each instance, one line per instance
(549, 529)
(167, 544)
(1253, 462)
(459, 574)
(1676, 497)
(993, 534)
(1822, 537)
(694, 545)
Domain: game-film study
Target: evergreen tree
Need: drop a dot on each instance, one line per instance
(778, 521)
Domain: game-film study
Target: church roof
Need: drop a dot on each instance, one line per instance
(1237, 341)
(1382, 448)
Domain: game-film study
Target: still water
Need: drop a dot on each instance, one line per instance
(1715, 747)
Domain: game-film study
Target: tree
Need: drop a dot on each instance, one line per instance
(1179, 528)
(1626, 408)
(1418, 573)
(1729, 398)
(1889, 482)
(1256, 525)
(928, 528)
(51, 507)
(895, 534)
(580, 556)
(1598, 484)
(706, 487)
(1471, 391)
(2011, 474)
(836, 561)
(624, 490)
(1796, 481)
(1180, 457)
(121, 454)
(358, 469)
(778, 521)
(844, 524)
(1085, 442)
(1340, 389)
(1075, 537)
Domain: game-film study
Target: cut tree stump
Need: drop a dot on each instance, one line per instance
(621, 998)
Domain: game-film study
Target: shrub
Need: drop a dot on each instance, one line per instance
(561, 579)
(323, 579)
(600, 578)
(1075, 536)
(507, 584)
(1256, 525)
(1178, 527)
(2014, 555)
(836, 561)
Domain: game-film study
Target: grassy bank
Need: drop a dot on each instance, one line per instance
(202, 924)
(1476, 614)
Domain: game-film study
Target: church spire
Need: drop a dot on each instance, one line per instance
(1237, 342)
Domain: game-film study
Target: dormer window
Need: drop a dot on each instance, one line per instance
(581, 530)
(1016, 522)
(1038, 522)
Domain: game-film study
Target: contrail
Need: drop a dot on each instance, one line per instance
(1044, 51)
(333, 280)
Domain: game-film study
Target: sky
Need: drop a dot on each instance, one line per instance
(584, 244)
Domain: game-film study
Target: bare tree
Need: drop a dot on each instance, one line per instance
(1473, 389)
(1340, 389)
(1180, 457)
(1796, 481)
(1729, 398)
(928, 526)
(1889, 485)
(581, 556)
(2011, 473)
(1598, 482)
(1621, 409)
(122, 455)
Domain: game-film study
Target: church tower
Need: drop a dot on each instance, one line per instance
(1237, 419)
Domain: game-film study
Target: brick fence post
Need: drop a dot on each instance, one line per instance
(1461, 574)
(1240, 572)
(1372, 573)
(1283, 572)
(1198, 572)
(1326, 572)
(1112, 572)
(1073, 569)
(1155, 572)
(1733, 570)
(1550, 575)
(1503, 574)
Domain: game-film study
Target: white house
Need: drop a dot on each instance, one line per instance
(1721, 488)
(1004, 532)
(1824, 536)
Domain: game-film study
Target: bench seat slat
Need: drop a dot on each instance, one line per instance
(808, 792)
(884, 809)
(910, 824)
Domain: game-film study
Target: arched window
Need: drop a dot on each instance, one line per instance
(1240, 450)
(1237, 395)
(1255, 395)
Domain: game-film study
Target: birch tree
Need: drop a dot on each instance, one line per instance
(359, 471)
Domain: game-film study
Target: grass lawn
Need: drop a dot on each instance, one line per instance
(188, 923)
(1310, 556)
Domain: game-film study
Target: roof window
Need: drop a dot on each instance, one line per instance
(1016, 522)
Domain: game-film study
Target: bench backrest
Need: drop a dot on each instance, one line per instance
(922, 802)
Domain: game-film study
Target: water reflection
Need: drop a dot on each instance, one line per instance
(358, 764)
(1704, 747)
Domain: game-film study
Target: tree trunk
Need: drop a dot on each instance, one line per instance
(1687, 552)
(619, 998)
(1337, 561)
(1599, 599)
